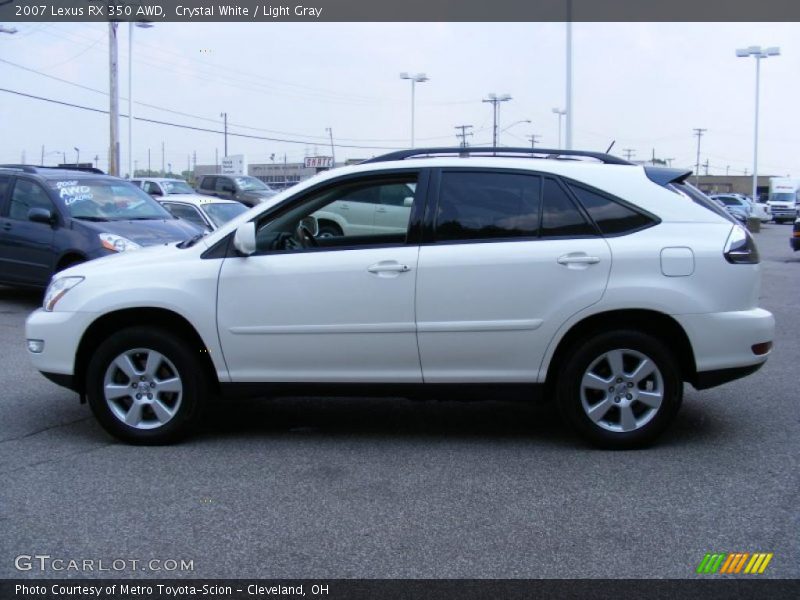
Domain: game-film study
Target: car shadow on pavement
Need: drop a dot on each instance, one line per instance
(399, 418)
(20, 299)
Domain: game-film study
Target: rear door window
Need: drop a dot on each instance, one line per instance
(560, 216)
(484, 206)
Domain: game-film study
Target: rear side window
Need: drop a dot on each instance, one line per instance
(560, 216)
(208, 183)
(610, 216)
(481, 206)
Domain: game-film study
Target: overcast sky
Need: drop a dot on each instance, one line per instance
(647, 86)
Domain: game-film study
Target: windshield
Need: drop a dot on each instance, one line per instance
(222, 212)
(247, 184)
(781, 197)
(107, 200)
(176, 186)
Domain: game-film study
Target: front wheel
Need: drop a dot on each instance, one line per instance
(145, 385)
(620, 389)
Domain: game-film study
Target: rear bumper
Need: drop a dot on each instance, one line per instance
(723, 343)
(710, 379)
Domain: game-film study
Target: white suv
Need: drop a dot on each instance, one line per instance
(602, 284)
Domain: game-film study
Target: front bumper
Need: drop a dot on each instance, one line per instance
(61, 333)
(723, 343)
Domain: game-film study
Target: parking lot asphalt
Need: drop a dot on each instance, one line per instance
(383, 488)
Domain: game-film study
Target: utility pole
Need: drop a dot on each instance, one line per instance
(669, 161)
(194, 159)
(727, 170)
(225, 117)
(653, 158)
(148, 163)
(699, 133)
(629, 152)
(42, 161)
(216, 160)
(162, 159)
(463, 135)
(495, 101)
(96, 160)
(534, 138)
(333, 156)
(706, 167)
(113, 150)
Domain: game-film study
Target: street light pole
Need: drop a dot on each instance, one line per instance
(568, 109)
(225, 117)
(333, 156)
(418, 78)
(560, 112)
(143, 25)
(758, 53)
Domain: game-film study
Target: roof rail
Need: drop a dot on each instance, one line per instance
(550, 153)
(36, 168)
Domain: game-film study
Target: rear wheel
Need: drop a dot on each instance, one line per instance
(145, 386)
(620, 389)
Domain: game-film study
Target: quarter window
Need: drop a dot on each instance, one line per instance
(611, 217)
(480, 206)
(560, 216)
(27, 195)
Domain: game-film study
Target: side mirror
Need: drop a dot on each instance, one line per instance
(408, 201)
(311, 224)
(244, 240)
(41, 215)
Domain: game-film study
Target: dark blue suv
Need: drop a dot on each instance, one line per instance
(53, 218)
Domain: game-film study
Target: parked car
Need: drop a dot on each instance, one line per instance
(164, 186)
(739, 209)
(52, 219)
(205, 212)
(758, 210)
(794, 242)
(601, 284)
(243, 188)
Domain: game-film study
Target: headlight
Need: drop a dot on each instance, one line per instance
(117, 243)
(57, 289)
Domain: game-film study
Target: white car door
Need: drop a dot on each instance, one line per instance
(340, 312)
(493, 288)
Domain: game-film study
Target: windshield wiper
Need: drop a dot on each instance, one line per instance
(95, 219)
(145, 218)
(192, 240)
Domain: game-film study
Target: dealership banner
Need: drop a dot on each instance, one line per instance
(416, 589)
(404, 11)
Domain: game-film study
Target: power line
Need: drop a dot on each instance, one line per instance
(201, 118)
(190, 127)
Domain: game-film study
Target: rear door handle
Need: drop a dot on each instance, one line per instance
(578, 259)
(388, 267)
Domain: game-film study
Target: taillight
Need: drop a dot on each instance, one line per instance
(740, 249)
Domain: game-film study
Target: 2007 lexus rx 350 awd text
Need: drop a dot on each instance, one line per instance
(602, 284)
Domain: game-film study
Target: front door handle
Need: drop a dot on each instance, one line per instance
(388, 266)
(578, 259)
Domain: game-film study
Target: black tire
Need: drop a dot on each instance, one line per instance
(574, 406)
(329, 230)
(185, 405)
(70, 263)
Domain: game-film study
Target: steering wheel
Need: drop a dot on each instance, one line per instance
(305, 237)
